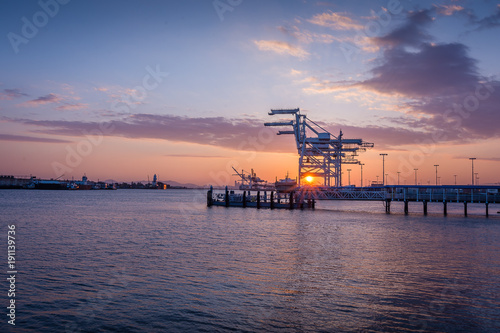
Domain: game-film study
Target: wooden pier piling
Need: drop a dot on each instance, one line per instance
(210, 198)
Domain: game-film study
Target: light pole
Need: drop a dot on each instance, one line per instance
(361, 173)
(455, 179)
(349, 173)
(398, 176)
(472, 159)
(385, 182)
(415, 176)
(439, 180)
(383, 167)
(436, 165)
(377, 180)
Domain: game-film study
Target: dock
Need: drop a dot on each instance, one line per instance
(259, 199)
(305, 197)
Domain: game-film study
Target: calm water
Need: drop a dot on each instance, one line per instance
(155, 261)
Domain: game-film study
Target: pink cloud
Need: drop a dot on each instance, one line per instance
(336, 21)
(67, 106)
(281, 48)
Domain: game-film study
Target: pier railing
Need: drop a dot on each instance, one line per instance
(446, 193)
(305, 196)
(464, 193)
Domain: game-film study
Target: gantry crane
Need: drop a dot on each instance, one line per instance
(321, 153)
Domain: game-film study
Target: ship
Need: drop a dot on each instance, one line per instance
(250, 182)
(41, 184)
(285, 185)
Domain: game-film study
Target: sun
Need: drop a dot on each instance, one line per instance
(309, 179)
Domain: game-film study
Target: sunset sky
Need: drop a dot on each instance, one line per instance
(125, 89)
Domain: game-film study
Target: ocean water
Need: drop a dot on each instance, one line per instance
(161, 261)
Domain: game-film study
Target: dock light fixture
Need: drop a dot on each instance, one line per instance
(415, 176)
(436, 165)
(383, 166)
(472, 160)
(361, 164)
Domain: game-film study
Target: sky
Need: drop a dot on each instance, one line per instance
(126, 89)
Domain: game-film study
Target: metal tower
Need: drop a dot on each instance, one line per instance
(321, 153)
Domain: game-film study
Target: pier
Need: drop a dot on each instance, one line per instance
(305, 197)
(259, 199)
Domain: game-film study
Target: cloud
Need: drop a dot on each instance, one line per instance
(433, 70)
(336, 21)
(281, 48)
(489, 22)
(9, 137)
(50, 98)
(492, 159)
(194, 156)
(437, 87)
(68, 106)
(448, 10)
(214, 131)
(306, 37)
(9, 94)
(409, 34)
(238, 133)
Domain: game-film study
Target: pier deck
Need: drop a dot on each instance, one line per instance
(306, 196)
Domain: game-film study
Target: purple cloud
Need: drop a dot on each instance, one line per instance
(434, 70)
(50, 98)
(9, 94)
(411, 33)
(240, 134)
(439, 83)
(68, 106)
(22, 138)
(488, 22)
